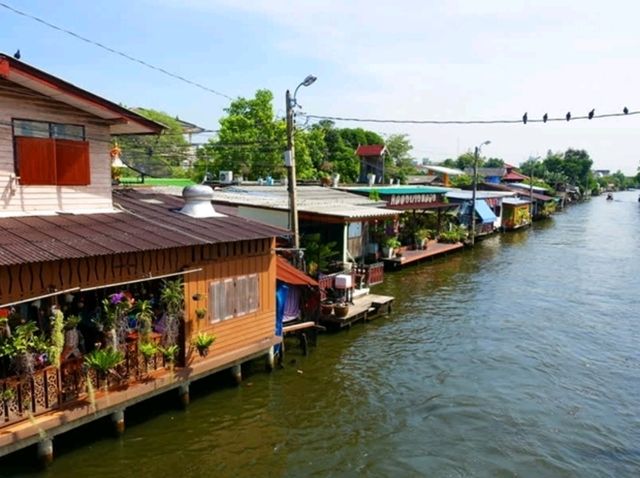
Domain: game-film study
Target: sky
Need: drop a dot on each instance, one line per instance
(407, 59)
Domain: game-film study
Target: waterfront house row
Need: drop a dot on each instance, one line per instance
(109, 297)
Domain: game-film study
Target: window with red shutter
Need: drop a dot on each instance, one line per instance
(51, 154)
(36, 160)
(72, 163)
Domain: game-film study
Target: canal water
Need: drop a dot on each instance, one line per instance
(518, 358)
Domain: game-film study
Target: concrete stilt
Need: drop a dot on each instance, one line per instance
(271, 359)
(236, 371)
(117, 418)
(183, 393)
(45, 451)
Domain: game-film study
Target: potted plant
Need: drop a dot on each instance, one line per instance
(201, 312)
(390, 245)
(144, 318)
(71, 337)
(197, 296)
(202, 342)
(148, 350)
(422, 237)
(170, 354)
(104, 361)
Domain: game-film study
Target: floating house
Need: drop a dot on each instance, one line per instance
(515, 213)
(488, 209)
(139, 281)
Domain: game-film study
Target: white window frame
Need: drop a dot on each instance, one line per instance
(233, 297)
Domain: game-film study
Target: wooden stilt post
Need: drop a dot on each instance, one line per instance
(117, 418)
(45, 451)
(183, 393)
(236, 371)
(271, 359)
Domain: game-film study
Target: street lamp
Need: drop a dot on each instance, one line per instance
(476, 154)
(290, 160)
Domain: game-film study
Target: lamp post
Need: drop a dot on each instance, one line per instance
(290, 160)
(476, 155)
(533, 161)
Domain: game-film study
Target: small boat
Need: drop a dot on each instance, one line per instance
(610, 197)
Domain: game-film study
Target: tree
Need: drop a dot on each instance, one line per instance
(494, 163)
(399, 161)
(250, 141)
(161, 155)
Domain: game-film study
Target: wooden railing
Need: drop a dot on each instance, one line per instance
(50, 388)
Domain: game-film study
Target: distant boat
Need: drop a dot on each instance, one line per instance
(610, 197)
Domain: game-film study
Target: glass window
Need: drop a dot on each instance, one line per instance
(67, 131)
(32, 129)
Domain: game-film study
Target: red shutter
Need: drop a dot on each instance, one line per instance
(36, 161)
(72, 163)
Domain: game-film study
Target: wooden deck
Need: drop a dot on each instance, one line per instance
(435, 249)
(363, 308)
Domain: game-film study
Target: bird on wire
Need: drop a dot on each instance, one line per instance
(524, 118)
(17, 54)
(591, 113)
(625, 110)
(545, 117)
(568, 115)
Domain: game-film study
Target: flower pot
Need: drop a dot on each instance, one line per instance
(371, 178)
(341, 310)
(326, 308)
(203, 351)
(388, 252)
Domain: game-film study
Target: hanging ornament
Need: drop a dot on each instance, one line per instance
(115, 153)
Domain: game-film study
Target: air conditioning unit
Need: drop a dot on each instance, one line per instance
(226, 177)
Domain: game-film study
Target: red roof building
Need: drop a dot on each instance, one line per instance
(371, 162)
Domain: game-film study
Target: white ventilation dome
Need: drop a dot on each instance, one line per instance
(197, 201)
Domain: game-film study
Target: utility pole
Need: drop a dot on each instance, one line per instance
(290, 163)
(473, 195)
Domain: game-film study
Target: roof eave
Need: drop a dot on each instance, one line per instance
(124, 120)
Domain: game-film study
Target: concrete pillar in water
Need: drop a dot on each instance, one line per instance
(236, 371)
(117, 418)
(183, 393)
(45, 451)
(271, 359)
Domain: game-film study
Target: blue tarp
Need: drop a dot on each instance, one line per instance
(485, 212)
(281, 298)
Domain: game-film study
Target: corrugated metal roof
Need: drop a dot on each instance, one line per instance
(285, 272)
(137, 226)
(515, 201)
(485, 212)
(310, 199)
(370, 150)
(443, 170)
(468, 195)
(389, 190)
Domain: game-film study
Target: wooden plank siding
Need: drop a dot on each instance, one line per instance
(21, 103)
(218, 261)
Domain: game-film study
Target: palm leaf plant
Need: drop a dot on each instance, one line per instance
(104, 361)
(202, 342)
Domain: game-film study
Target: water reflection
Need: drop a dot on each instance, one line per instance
(517, 358)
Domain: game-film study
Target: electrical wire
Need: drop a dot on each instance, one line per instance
(116, 52)
(467, 122)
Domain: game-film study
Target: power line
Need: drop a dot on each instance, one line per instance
(588, 117)
(116, 52)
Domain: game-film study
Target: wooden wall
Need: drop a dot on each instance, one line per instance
(240, 331)
(19, 102)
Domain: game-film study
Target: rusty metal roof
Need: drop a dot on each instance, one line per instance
(142, 222)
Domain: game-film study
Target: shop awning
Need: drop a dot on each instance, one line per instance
(287, 273)
(485, 212)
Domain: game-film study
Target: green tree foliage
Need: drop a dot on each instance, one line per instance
(399, 162)
(494, 163)
(160, 155)
(250, 142)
